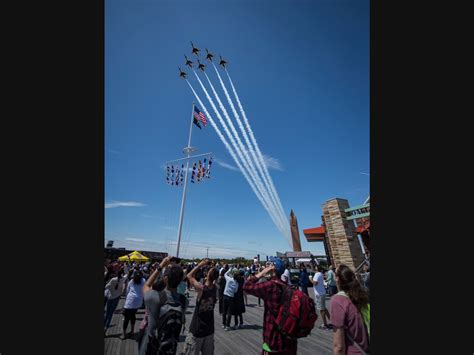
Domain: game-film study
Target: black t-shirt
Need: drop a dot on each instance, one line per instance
(202, 323)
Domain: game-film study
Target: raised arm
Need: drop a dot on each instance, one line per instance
(152, 278)
(227, 275)
(192, 280)
(258, 289)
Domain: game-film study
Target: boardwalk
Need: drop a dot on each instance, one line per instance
(242, 341)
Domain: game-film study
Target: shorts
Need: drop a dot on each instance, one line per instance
(321, 302)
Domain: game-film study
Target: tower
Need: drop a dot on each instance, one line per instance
(295, 234)
(341, 236)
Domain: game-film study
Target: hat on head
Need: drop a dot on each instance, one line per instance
(279, 264)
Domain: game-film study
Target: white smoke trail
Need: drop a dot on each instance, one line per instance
(254, 141)
(252, 151)
(234, 145)
(243, 153)
(229, 149)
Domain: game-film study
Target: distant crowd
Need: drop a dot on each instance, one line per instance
(163, 290)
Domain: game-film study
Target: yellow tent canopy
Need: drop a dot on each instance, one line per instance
(133, 256)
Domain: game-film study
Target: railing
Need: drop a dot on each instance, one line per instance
(366, 261)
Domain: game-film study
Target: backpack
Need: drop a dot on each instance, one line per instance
(169, 327)
(297, 313)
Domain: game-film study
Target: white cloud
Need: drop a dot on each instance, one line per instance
(365, 174)
(225, 165)
(272, 163)
(135, 240)
(193, 249)
(114, 204)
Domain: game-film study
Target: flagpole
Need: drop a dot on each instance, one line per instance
(188, 150)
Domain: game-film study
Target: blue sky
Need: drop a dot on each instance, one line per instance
(301, 69)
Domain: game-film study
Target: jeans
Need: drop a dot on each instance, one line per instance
(111, 305)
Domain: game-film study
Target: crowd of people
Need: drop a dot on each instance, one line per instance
(163, 290)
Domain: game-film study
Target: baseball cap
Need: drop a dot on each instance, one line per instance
(279, 264)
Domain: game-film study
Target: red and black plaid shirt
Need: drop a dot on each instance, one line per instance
(270, 291)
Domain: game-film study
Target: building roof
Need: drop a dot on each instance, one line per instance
(317, 230)
(365, 225)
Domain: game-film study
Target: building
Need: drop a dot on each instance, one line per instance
(361, 215)
(339, 234)
(295, 233)
(114, 253)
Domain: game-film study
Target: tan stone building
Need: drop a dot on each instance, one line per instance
(338, 234)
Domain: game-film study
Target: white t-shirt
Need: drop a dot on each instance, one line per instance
(134, 294)
(319, 288)
(110, 291)
(285, 277)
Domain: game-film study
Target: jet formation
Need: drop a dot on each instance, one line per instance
(189, 63)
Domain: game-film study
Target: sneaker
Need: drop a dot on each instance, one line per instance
(241, 326)
(223, 327)
(227, 329)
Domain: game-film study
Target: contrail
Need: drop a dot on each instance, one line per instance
(229, 149)
(252, 151)
(254, 141)
(234, 145)
(243, 153)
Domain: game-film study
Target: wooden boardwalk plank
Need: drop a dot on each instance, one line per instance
(235, 342)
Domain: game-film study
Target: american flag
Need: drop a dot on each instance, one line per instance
(199, 116)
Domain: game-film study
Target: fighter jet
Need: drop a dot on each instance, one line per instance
(209, 56)
(201, 66)
(195, 49)
(222, 62)
(188, 62)
(182, 74)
